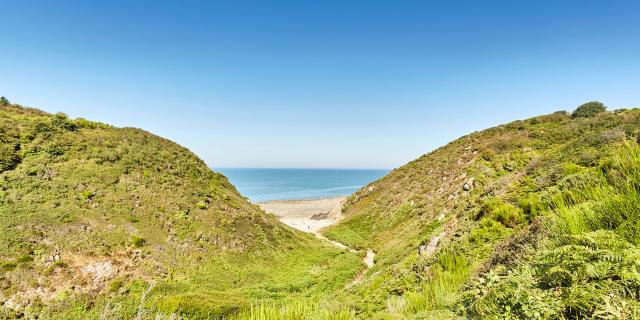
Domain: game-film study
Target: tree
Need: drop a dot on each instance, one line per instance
(4, 101)
(588, 109)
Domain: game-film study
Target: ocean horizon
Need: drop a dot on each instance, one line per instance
(267, 184)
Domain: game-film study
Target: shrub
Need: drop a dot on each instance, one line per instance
(9, 158)
(137, 241)
(532, 206)
(201, 205)
(505, 213)
(61, 120)
(7, 266)
(4, 101)
(588, 110)
(25, 259)
(87, 195)
(115, 285)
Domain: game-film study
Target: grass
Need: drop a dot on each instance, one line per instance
(238, 282)
(533, 219)
(295, 310)
(588, 266)
(75, 193)
(441, 289)
(521, 174)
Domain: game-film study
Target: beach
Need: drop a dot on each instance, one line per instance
(306, 215)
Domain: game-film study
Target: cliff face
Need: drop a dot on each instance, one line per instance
(482, 203)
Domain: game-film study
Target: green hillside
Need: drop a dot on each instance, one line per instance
(534, 219)
(96, 219)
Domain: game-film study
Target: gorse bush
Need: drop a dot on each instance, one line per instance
(588, 109)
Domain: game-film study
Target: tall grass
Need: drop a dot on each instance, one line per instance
(294, 310)
(446, 277)
(612, 200)
(589, 268)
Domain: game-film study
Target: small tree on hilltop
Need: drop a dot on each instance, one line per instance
(4, 101)
(588, 109)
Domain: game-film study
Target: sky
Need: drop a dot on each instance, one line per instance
(317, 84)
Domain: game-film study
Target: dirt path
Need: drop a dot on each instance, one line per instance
(313, 215)
(369, 258)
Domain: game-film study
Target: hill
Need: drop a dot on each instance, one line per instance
(533, 219)
(106, 222)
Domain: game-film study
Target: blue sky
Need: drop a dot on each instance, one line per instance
(351, 84)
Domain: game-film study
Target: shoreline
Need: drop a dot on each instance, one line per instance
(308, 215)
(299, 200)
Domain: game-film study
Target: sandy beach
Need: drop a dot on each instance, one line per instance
(306, 215)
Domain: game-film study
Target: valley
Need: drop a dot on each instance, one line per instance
(532, 219)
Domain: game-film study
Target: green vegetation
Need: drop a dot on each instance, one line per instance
(535, 219)
(525, 220)
(588, 109)
(588, 267)
(95, 218)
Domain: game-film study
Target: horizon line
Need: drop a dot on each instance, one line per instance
(298, 168)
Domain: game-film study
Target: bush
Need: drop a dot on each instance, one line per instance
(9, 158)
(87, 195)
(4, 101)
(25, 259)
(115, 285)
(7, 266)
(588, 110)
(201, 205)
(505, 213)
(137, 241)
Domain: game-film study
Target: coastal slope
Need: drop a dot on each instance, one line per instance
(99, 221)
(516, 220)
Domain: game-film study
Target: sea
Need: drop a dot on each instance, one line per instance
(261, 185)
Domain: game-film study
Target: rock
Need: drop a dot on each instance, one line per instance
(53, 257)
(468, 185)
(99, 271)
(428, 249)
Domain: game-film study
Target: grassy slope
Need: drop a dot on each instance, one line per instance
(547, 229)
(520, 175)
(93, 215)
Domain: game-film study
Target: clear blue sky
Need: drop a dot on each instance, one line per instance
(359, 84)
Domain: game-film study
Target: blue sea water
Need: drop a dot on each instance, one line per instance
(287, 184)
